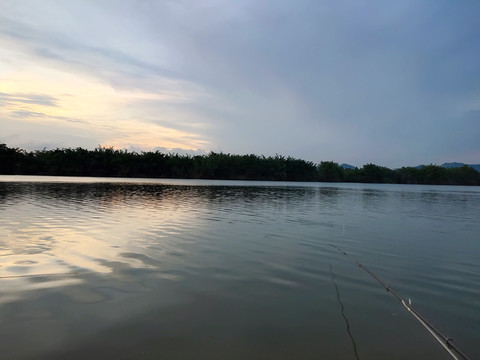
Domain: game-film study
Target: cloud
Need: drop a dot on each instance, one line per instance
(25, 114)
(16, 98)
(359, 82)
(63, 50)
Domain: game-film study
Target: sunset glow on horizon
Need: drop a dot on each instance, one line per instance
(41, 96)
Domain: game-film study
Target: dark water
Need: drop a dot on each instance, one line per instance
(138, 269)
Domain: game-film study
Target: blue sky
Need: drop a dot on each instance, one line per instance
(394, 83)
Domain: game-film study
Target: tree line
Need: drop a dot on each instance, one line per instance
(106, 161)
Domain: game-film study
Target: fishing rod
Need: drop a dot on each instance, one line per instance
(447, 343)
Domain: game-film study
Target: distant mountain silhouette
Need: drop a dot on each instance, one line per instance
(348, 166)
(457, 165)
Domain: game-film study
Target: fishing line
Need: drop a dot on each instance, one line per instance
(447, 343)
(354, 344)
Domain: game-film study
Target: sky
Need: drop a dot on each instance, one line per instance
(394, 83)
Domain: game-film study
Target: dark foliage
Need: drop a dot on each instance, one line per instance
(105, 161)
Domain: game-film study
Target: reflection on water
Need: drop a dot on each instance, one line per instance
(99, 268)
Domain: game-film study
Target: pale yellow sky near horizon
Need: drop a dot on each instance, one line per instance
(40, 95)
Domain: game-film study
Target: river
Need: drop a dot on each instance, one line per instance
(193, 269)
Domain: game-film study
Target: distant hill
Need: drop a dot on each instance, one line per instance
(348, 166)
(457, 165)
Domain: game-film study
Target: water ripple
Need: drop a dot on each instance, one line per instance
(101, 254)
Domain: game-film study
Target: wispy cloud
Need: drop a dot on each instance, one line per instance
(25, 114)
(77, 54)
(24, 98)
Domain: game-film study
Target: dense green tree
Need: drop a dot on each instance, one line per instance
(330, 171)
(372, 173)
(433, 174)
(10, 159)
(408, 175)
(107, 161)
(464, 175)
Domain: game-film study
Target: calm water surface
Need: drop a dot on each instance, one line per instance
(185, 269)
